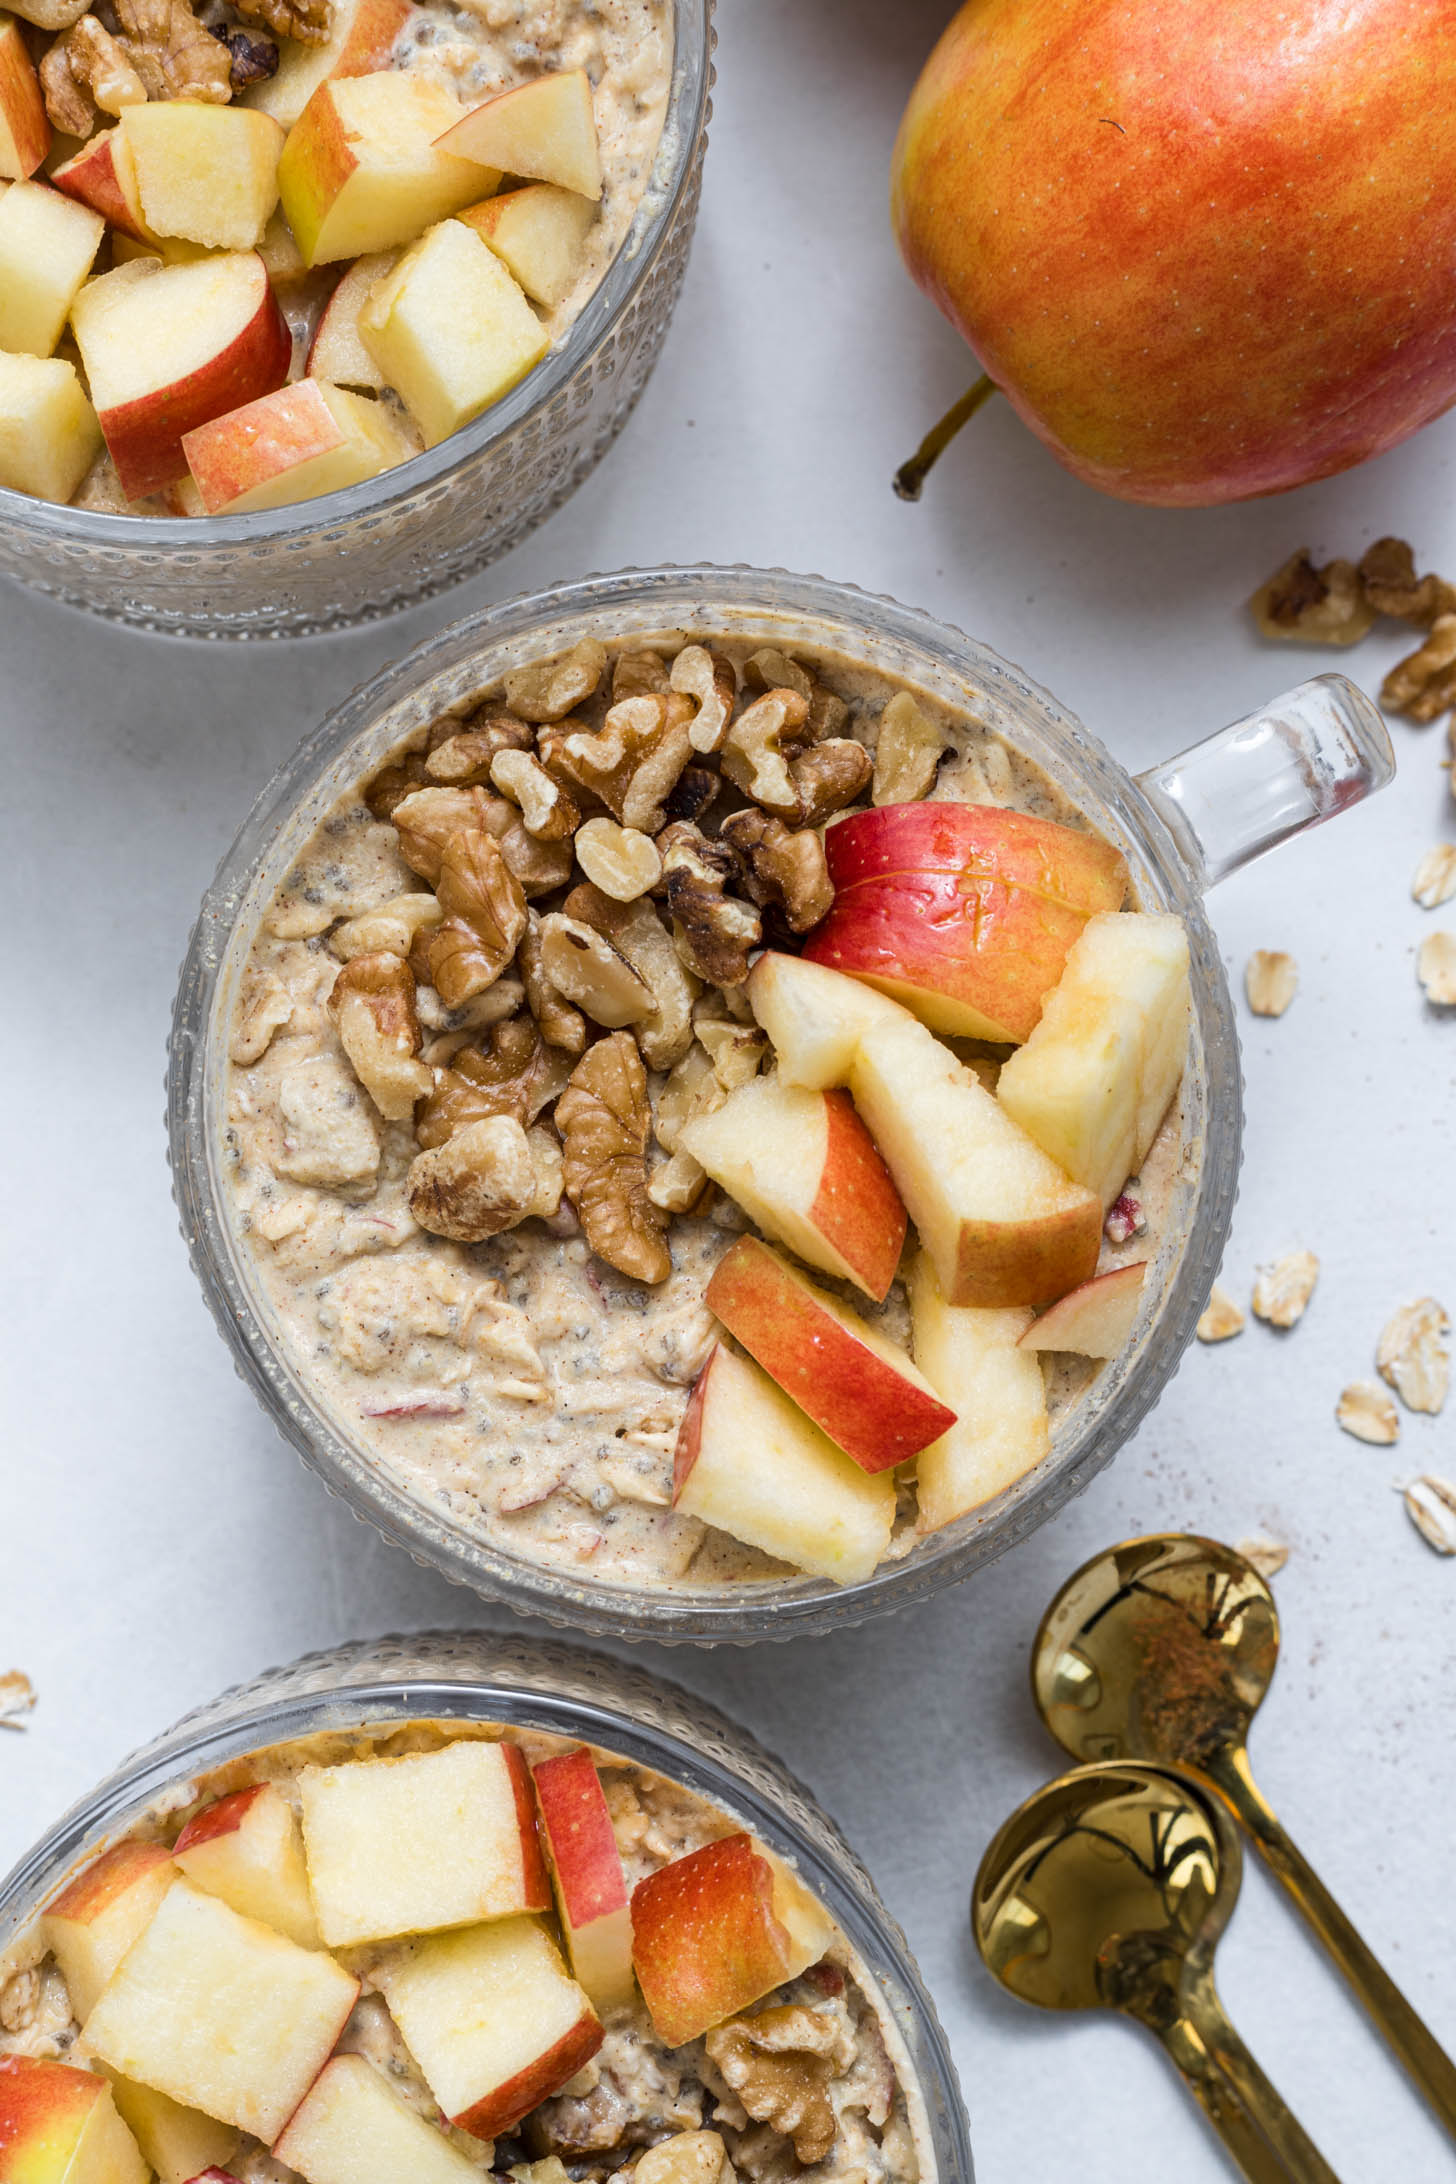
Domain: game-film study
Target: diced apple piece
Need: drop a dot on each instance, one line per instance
(586, 1866)
(861, 1388)
(972, 1356)
(179, 2143)
(544, 131)
(718, 1930)
(963, 912)
(361, 170)
(361, 37)
(450, 330)
(247, 1849)
(291, 445)
(1001, 1222)
(206, 173)
(25, 132)
(336, 353)
(167, 249)
(1094, 1080)
(351, 2128)
(803, 1167)
(814, 1016)
(220, 2013)
(94, 1921)
(1095, 1320)
(103, 176)
(47, 243)
(752, 1464)
(168, 347)
(493, 2019)
(49, 436)
(537, 232)
(58, 2125)
(401, 1846)
(281, 255)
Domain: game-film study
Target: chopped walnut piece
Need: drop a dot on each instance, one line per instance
(264, 1007)
(373, 1009)
(1366, 1411)
(1436, 969)
(426, 818)
(488, 1177)
(1265, 1556)
(1389, 582)
(1412, 1355)
(17, 1698)
(1434, 879)
(173, 54)
(464, 758)
(635, 930)
(621, 861)
(1221, 1318)
(484, 918)
(639, 675)
(550, 689)
(677, 1183)
(907, 753)
(561, 1025)
(738, 1050)
(1430, 1503)
(393, 783)
(1423, 686)
(716, 931)
(547, 812)
(1283, 1289)
(784, 868)
(389, 930)
(770, 669)
(691, 2157)
(48, 14)
(709, 680)
(306, 21)
(514, 1073)
(85, 74)
(778, 2065)
(250, 60)
(1315, 606)
(1271, 980)
(692, 1089)
(603, 1119)
(695, 790)
(632, 762)
(584, 965)
(827, 778)
(753, 755)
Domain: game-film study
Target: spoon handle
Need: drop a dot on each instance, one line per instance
(1411, 2038)
(1241, 2119)
(1299, 2159)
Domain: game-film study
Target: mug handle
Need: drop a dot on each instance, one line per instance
(1300, 759)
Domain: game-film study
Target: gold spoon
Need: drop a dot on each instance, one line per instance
(1162, 1649)
(1108, 1890)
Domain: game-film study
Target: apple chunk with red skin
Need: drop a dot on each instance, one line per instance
(591, 1888)
(93, 1922)
(208, 174)
(544, 131)
(103, 176)
(361, 38)
(804, 1168)
(180, 2143)
(537, 233)
(47, 244)
(814, 1016)
(972, 1355)
(360, 170)
(962, 912)
(493, 2019)
(246, 1849)
(717, 1930)
(291, 445)
(861, 1388)
(25, 132)
(352, 2128)
(1095, 1320)
(58, 2125)
(336, 352)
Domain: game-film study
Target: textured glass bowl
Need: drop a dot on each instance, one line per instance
(1178, 828)
(350, 557)
(534, 1684)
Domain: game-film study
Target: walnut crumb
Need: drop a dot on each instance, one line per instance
(1434, 879)
(1271, 979)
(1283, 1289)
(1423, 686)
(1430, 1503)
(778, 2065)
(907, 752)
(1221, 1318)
(1389, 581)
(1412, 1356)
(1366, 1411)
(1313, 606)
(1436, 968)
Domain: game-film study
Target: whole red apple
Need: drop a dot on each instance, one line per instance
(1207, 248)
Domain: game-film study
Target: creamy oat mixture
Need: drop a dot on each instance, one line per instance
(636, 2092)
(521, 1386)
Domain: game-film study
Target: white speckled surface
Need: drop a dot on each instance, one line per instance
(156, 1542)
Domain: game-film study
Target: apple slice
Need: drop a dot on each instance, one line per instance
(47, 243)
(450, 330)
(102, 176)
(1094, 1080)
(220, 2013)
(168, 347)
(718, 1930)
(351, 2128)
(336, 353)
(361, 171)
(972, 1356)
(206, 173)
(1095, 1320)
(860, 1387)
(49, 436)
(963, 912)
(94, 1921)
(802, 1166)
(291, 445)
(752, 1464)
(401, 1846)
(361, 37)
(25, 132)
(586, 1866)
(814, 1016)
(179, 2143)
(247, 1850)
(544, 131)
(537, 233)
(1000, 1220)
(493, 2019)
(58, 2125)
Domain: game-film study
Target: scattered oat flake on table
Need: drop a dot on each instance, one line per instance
(1430, 1503)
(1367, 1411)
(1221, 1317)
(17, 1697)
(1267, 1556)
(1412, 1354)
(1283, 1290)
(1434, 879)
(1436, 968)
(1271, 979)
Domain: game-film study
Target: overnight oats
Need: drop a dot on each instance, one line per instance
(255, 251)
(701, 1114)
(437, 1950)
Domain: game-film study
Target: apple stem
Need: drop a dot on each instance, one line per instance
(910, 477)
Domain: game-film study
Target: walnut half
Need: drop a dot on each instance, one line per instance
(604, 1121)
(779, 2065)
(716, 931)
(785, 867)
(373, 1008)
(488, 1177)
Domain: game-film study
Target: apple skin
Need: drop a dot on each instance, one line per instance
(1177, 233)
(591, 1888)
(708, 1940)
(58, 2122)
(93, 1922)
(101, 175)
(1094, 1320)
(25, 130)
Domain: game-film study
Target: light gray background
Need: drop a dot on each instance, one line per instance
(157, 1541)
